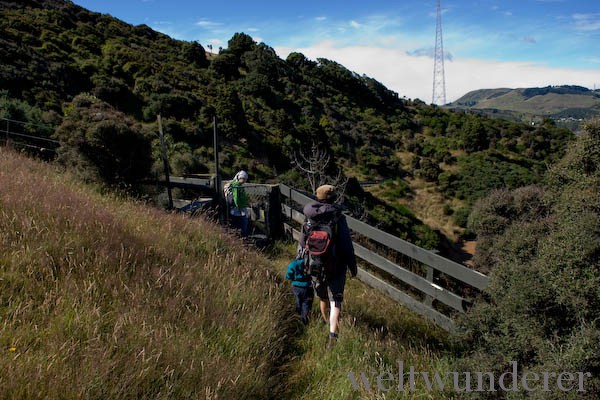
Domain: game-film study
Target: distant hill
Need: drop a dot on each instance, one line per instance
(566, 104)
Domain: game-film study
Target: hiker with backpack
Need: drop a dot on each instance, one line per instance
(326, 246)
(302, 288)
(237, 201)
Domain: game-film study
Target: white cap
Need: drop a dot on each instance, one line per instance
(241, 175)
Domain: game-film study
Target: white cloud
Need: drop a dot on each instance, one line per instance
(204, 23)
(428, 52)
(412, 76)
(355, 24)
(595, 60)
(587, 22)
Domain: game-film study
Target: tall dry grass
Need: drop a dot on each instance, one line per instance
(101, 298)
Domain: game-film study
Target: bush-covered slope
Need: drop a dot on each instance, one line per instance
(268, 109)
(542, 244)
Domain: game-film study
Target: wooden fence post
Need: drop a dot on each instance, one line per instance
(221, 204)
(165, 161)
(7, 133)
(273, 214)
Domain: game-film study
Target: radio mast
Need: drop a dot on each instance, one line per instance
(439, 79)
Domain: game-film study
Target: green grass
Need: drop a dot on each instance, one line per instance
(102, 297)
(375, 333)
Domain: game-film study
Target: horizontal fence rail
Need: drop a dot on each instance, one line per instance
(267, 205)
(27, 135)
(185, 182)
(425, 285)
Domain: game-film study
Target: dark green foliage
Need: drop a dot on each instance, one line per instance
(267, 108)
(239, 44)
(461, 216)
(484, 171)
(531, 92)
(428, 170)
(395, 189)
(102, 144)
(225, 66)
(38, 121)
(402, 222)
(542, 245)
(194, 53)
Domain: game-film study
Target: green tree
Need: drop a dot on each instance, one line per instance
(194, 53)
(225, 66)
(240, 43)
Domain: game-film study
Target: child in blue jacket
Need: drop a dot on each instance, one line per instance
(302, 287)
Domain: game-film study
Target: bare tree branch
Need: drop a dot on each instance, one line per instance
(314, 165)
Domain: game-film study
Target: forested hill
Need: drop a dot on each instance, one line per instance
(102, 82)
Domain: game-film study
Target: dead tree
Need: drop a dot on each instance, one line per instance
(314, 165)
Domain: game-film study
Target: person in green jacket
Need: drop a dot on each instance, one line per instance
(302, 288)
(238, 208)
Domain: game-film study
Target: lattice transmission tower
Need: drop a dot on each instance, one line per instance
(439, 78)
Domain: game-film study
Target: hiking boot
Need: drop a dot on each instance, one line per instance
(331, 341)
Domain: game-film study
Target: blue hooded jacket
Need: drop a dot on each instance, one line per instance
(296, 274)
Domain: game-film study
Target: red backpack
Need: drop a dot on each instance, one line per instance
(319, 248)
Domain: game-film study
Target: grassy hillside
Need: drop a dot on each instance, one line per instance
(561, 103)
(101, 298)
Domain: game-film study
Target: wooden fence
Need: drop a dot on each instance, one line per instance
(437, 281)
(437, 268)
(279, 207)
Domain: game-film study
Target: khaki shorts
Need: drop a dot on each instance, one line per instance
(332, 289)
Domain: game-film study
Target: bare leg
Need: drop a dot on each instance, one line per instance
(334, 316)
(323, 305)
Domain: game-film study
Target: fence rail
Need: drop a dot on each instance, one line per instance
(430, 290)
(430, 287)
(27, 135)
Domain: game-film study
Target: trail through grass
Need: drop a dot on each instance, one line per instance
(105, 298)
(375, 334)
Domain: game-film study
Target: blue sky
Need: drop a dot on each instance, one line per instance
(488, 43)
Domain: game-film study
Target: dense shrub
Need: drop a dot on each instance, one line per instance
(102, 144)
(542, 246)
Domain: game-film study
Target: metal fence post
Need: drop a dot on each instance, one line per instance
(165, 161)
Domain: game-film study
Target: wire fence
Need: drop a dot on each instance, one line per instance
(28, 136)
